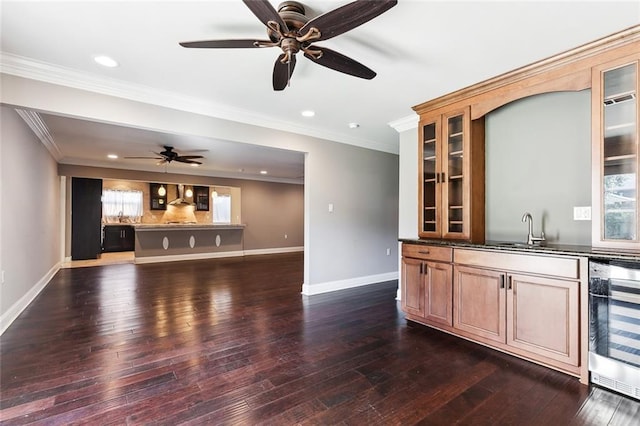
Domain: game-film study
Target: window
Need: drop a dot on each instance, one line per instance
(221, 207)
(121, 206)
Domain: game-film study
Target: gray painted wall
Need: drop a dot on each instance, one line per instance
(538, 159)
(362, 186)
(29, 210)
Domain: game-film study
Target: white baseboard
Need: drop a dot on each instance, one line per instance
(273, 251)
(309, 290)
(16, 309)
(194, 256)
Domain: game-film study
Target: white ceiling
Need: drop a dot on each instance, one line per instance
(420, 50)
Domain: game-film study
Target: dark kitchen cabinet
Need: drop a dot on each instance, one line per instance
(86, 218)
(201, 198)
(118, 238)
(158, 196)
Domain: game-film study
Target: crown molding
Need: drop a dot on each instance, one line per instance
(42, 71)
(405, 123)
(35, 123)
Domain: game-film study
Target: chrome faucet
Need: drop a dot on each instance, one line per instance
(530, 238)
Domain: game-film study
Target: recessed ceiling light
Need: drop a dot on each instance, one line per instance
(112, 156)
(353, 125)
(308, 113)
(105, 61)
(263, 172)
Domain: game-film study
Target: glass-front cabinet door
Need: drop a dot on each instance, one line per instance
(430, 194)
(616, 183)
(445, 176)
(454, 176)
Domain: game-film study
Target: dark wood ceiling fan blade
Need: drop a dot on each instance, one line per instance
(265, 13)
(188, 157)
(223, 44)
(186, 160)
(282, 72)
(339, 62)
(347, 17)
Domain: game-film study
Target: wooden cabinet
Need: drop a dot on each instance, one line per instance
(426, 283)
(412, 287)
(528, 305)
(451, 173)
(118, 238)
(531, 312)
(479, 303)
(615, 156)
(543, 316)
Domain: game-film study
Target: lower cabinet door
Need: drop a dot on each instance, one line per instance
(543, 317)
(479, 305)
(438, 293)
(412, 287)
(128, 239)
(111, 238)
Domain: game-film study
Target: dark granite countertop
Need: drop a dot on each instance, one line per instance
(548, 248)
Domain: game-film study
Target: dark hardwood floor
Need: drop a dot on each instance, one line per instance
(232, 341)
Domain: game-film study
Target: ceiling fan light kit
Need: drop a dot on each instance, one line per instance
(292, 31)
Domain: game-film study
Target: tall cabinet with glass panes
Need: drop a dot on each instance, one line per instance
(451, 170)
(615, 158)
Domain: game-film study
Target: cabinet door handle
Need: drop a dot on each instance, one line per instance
(437, 177)
(443, 177)
(421, 264)
(423, 251)
(510, 286)
(501, 281)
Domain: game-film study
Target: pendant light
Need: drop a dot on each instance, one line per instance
(162, 191)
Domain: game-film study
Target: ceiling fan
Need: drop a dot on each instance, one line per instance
(290, 30)
(169, 155)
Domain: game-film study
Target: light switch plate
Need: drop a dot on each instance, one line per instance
(582, 213)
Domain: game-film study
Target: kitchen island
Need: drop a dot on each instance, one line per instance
(187, 241)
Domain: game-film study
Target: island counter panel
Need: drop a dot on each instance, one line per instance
(170, 242)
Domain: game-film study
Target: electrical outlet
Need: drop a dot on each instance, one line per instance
(582, 213)
(388, 252)
(285, 236)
